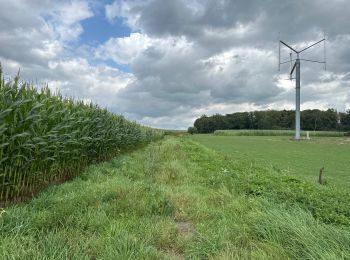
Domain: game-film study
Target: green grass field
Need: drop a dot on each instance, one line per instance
(178, 199)
(289, 133)
(303, 159)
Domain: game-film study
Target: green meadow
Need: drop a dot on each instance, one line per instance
(303, 159)
(179, 199)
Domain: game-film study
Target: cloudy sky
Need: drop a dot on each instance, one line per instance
(166, 62)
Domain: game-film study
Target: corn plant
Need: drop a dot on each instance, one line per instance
(45, 137)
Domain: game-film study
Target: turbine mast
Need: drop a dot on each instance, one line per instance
(297, 98)
(296, 67)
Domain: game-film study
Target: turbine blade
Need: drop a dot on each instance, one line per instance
(288, 46)
(312, 45)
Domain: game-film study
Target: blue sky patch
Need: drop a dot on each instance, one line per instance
(98, 30)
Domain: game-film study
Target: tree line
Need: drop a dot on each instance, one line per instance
(313, 120)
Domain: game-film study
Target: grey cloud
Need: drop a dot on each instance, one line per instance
(292, 17)
(21, 14)
(167, 84)
(172, 17)
(216, 27)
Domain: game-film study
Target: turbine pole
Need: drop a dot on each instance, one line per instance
(296, 67)
(297, 98)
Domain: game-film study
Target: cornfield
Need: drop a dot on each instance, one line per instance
(45, 137)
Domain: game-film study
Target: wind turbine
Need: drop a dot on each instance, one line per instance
(296, 68)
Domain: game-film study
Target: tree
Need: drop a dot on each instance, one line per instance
(345, 120)
(192, 130)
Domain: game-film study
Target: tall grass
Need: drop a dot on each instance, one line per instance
(277, 133)
(46, 137)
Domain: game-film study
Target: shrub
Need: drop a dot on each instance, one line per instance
(192, 130)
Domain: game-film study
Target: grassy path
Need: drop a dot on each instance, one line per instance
(177, 199)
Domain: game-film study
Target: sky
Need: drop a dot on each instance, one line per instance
(164, 63)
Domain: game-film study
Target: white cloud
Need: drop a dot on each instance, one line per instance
(66, 19)
(48, 50)
(77, 78)
(123, 50)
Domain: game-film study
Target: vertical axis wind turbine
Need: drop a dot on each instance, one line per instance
(296, 67)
